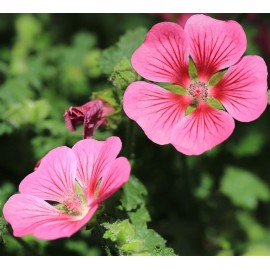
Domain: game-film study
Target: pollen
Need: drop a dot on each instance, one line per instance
(73, 204)
(198, 90)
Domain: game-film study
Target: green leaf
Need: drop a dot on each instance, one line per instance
(133, 246)
(81, 248)
(251, 30)
(204, 188)
(124, 48)
(258, 250)
(192, 70)
(3, 230)
(151, 239)
(250, 145)
(121, 231)
(123, 74)
(9, 93)
(6, 189)
(5, 128)
(134, 194)
(216, 78)
(254, 230)
(258, 235)
(28, 112)
(131, 240)
(159, 251)
(214, 103)
(84, 41)
(268, 96)
(140, 217)
(243, 188)
(177, 89)
(27, 27)
(133, 237)
(91, 64)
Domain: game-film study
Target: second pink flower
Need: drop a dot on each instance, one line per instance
(213, 45)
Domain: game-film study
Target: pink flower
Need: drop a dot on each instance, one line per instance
(164, 57)
(92, 114)
(65, 191)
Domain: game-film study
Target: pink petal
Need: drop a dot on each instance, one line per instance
(93, 159)
(63, 228)
(30, 215)
(163, 56)
(116, 176)
(54, 177)
(214, 44)
(202, 130)
(155, 109)
(243, 89)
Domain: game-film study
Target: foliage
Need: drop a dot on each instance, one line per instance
(132, 236)
(252, 188)
(123, 49)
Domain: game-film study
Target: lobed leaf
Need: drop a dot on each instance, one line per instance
(244, 188)
(124, 48)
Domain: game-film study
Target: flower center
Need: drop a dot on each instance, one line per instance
(198, 90)
(72, 204)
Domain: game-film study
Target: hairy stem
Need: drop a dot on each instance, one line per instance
(108, 247)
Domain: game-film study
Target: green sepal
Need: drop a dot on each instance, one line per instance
(123, 74)
(114, 119)
(176, 89)
(107, 95)
(216, 104)
(216, 78)
(111, 97)
(192, 70)
(190, 109)
(80, 192)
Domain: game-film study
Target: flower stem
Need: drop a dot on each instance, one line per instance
(130, 138)
(193, 205)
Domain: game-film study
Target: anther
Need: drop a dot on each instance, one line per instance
(198, 90)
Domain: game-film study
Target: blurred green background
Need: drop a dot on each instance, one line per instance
(214, 204)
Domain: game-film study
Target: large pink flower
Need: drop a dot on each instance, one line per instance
(64, 192)
(213, 45)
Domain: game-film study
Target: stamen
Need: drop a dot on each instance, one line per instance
(199, 91)
(72, 204)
